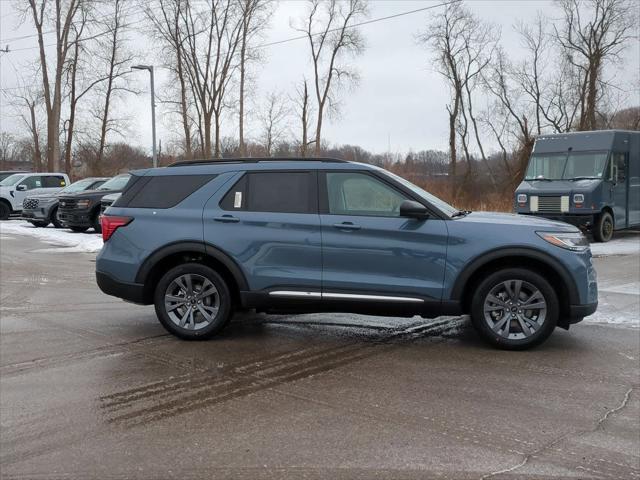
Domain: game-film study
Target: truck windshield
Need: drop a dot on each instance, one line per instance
(11, 180)
(116, 183)
(563, 166)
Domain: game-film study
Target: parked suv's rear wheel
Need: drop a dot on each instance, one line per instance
(603, 229)
(192, 301)
(5, 210)
(514, 309)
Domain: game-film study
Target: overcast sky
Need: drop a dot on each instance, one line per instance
(399, 101)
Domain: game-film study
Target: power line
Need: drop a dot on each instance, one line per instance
(48, 32)
(264, 45)
(366, 22)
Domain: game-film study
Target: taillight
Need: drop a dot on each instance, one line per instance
(111, 223)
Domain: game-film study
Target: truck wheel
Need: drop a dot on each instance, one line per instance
(603, 229)
(514, 309)
(193, 302)
(5, 210)
(54, 218)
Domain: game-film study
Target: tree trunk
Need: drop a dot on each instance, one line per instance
(207, 136)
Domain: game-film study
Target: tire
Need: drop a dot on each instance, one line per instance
(38, 224)
(5, 210)
(603, 229)
(96, 222)
(522, 328)
(174, 315)
(79, 229)
(54, 218)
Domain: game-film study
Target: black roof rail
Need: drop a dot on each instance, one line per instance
(183, 163)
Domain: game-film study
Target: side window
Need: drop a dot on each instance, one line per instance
(235, 199)
(618, 167)
(53, 181)
(352, 193)
(32, 182)
(277, 192)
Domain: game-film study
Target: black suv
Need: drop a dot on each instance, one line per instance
(81, 211)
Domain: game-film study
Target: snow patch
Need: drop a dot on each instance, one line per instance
(78, 242)
(627, 245)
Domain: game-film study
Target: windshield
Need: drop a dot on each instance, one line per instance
(116, 183)
(562, 166)
(78, 186)
(432, 199)
(11, 180)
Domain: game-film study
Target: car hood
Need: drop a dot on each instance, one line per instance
(535, 223)
(558, 187)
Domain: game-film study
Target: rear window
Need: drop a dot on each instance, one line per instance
(160, 192)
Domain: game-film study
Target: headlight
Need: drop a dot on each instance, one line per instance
(578, 199)
(522, 198)
(570, 241)
(83, 203)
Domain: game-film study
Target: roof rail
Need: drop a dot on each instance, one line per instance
(183, 163)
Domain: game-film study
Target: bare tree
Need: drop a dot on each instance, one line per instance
(304, 108)
(253, 22)
(211, 40)
(462, 47)
(112, 53)
(590, 43)
(167, 22)
(273, 121)
(63, 16)
(27, 102)
(331, 35)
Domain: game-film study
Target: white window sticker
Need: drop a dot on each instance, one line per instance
(237, 201)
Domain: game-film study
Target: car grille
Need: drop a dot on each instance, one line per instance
(30, 203)
(549, 204)
(67, 204)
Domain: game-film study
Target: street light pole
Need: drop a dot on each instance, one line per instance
(153, 109)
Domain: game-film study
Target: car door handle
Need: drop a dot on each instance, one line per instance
(226, 219)
(347, 226)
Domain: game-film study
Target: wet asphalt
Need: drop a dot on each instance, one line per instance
(94, 388)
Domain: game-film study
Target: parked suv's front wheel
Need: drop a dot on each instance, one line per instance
(514, 309)
(193, 302)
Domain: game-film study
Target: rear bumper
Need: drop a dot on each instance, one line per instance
(131, 292)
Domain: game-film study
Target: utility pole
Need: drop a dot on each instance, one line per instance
(153, 109)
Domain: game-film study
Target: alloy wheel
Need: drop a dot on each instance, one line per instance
(515, 309)
(192, 301)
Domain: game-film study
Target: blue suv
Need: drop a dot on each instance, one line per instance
(202, 239)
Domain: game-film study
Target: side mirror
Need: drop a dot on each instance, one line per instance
(412, 209)
(21, 188)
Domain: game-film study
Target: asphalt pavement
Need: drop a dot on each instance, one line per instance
(94, 388)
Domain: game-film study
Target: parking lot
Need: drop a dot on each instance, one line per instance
(92, 387)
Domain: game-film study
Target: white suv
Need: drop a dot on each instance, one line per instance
(14, 189)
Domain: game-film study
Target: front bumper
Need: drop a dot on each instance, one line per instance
(578, 312)
(75, 218)
(582, 221)
(40, 213)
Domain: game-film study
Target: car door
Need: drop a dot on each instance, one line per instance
(370, 252)
(618, 189)
(268, 223)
